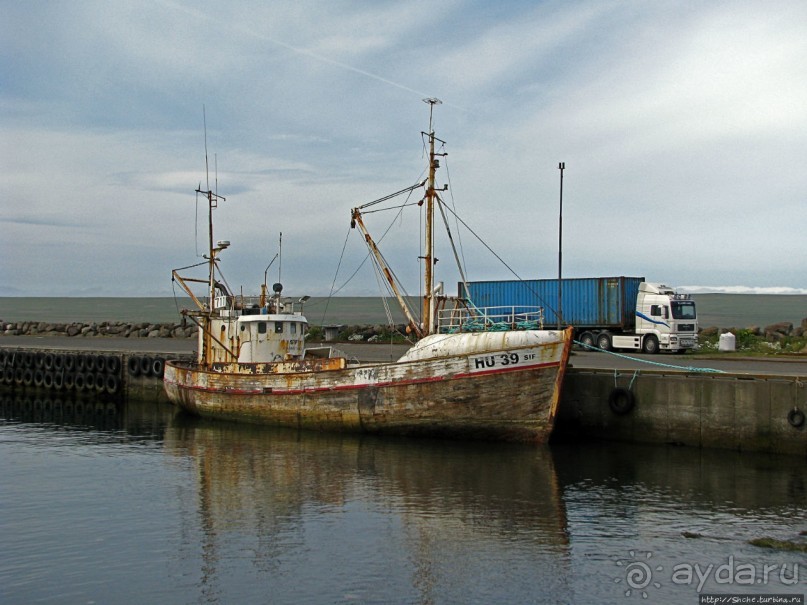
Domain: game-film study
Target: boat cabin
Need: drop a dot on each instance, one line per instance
(242, 330)
(268, 338)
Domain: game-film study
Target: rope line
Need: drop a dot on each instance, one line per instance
(652, 363)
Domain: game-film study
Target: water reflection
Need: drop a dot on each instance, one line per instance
(96, 416)
(216, 512)
(442, 498)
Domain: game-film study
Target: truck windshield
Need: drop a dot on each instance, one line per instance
(683, 309)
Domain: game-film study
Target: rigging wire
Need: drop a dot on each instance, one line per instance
(379, 279)
(440, 204)
(501, 260)
(381, 239)
(335, 275)
(454, 206)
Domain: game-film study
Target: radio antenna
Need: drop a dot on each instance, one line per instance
(207, 168)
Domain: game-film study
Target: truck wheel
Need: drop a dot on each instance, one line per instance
(604, 341)
(650, 345)
(587, 339)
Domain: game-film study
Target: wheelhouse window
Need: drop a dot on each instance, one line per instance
(278, 327)
(261, 327)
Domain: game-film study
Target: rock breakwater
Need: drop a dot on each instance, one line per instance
(98, 329)
(772, 333)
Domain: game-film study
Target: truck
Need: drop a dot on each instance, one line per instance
(606, 312)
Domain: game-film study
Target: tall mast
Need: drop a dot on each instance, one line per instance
(428, 301)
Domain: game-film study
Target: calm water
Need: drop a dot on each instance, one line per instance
(723, 310)
(101, 504)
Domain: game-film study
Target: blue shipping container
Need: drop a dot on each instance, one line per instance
(589, 302)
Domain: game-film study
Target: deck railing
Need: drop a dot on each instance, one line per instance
(489, 319)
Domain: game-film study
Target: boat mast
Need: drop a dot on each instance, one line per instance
(212, 202)
(428, 301)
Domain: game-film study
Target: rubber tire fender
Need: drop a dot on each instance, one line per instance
(795, 418)
(145, 366)
(113, 365)
(157, 367)
(621, 401)
(134, 366)
(112, 384)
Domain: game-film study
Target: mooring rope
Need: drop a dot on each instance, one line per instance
(652, 363)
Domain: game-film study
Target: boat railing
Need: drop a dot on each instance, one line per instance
(489, 319)
(247, 304)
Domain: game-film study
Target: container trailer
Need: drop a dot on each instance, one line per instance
(605, 312)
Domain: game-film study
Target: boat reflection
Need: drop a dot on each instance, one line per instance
(277, 485)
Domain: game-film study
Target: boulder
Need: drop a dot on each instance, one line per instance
(783, 327)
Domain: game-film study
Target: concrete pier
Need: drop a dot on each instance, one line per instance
(111, 374)
(727, 411)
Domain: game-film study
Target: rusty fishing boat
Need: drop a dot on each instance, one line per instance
(472, 372)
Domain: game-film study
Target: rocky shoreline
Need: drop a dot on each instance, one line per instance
(98, 329)
(773, 333)
(366, 333)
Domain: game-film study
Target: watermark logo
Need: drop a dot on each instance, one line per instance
(638, 576)
(641, 575)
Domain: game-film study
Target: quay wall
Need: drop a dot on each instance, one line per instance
(112, 375)
(725, 411)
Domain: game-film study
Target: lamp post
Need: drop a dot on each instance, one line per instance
(561, 167)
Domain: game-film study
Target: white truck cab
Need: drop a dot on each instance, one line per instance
(665, 320)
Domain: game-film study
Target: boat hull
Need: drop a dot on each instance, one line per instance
(504, 394)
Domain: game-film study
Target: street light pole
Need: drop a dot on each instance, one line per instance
(559, 313)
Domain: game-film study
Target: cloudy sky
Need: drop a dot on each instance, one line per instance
(682, 126)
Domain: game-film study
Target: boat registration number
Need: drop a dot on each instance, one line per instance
(501, 359)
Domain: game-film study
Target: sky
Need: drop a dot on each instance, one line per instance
(682, 126)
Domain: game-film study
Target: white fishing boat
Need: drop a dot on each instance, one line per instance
(472, 373)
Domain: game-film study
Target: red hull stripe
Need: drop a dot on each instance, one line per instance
(348, 387)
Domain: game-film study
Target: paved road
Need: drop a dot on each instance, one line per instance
(735, 365)
(386, 352)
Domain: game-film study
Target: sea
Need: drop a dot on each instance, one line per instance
(107, 502)
(720, 310)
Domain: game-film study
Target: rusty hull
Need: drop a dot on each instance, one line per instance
(507, 395)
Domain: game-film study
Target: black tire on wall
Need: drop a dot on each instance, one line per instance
(133, 365)
(621, 401)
